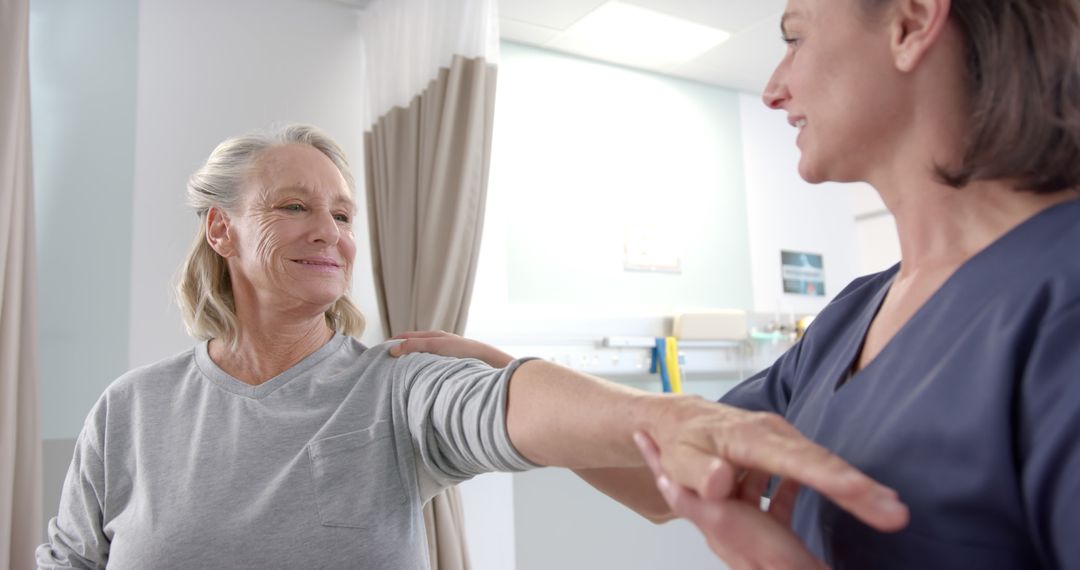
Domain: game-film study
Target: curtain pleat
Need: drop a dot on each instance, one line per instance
(444, 521)
(426, 167)
(20, 441)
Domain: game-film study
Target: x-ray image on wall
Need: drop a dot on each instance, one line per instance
(803, 273)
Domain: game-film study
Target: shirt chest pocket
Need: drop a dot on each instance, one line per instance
(357, 483)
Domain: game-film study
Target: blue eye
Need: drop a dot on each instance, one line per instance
(343, 218)
(294, 207)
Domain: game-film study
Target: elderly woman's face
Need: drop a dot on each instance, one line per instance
(292, 236)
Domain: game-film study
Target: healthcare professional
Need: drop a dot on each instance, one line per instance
(954, 376)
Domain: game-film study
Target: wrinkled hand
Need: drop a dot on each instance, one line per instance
(709, 449)
(449, 344)
(735, 527)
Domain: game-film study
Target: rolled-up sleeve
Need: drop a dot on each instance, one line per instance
(456, 411)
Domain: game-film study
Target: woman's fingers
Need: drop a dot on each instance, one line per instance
(752, 485)
(748, 486)
(767, 443)
(738, 532)
(424, 334)
(650, 452)
(416, 344)
(717, 475)
(792, 456)
(448, 344)
(421, 341)
(782, 503)
(435, 342)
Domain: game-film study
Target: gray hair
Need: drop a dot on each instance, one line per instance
(204, 291)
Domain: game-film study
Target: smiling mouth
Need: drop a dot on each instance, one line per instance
(317, 263)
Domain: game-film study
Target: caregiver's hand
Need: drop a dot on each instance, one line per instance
(708, 447)
(736, 529)
(449, 344)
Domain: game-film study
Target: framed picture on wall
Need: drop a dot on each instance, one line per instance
(652, 248)
(803, 273)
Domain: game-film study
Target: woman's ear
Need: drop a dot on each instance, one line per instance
(915, 27)
(218, 232)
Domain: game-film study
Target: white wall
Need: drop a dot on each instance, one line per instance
(208, 70)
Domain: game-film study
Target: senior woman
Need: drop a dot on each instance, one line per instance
(953, 377)
(282, 442)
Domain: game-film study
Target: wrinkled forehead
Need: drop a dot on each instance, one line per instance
(298, 169)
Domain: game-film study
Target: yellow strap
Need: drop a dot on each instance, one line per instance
(672, 359)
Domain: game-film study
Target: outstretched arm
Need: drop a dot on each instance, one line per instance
(634, 487)
(560, 417)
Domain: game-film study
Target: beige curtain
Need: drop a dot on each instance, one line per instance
(427, 167)
(20, 441)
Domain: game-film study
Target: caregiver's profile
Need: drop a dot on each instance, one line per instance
(280, 441)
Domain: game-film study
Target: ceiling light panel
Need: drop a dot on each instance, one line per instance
(526, 33)
(632, 35)
(730, 15)
(554, 14)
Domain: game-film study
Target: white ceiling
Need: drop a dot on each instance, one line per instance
(744, 62)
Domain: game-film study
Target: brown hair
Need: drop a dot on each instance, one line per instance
(204, 291)
(1024, 74)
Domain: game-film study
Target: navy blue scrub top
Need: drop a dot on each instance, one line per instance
(971, 412)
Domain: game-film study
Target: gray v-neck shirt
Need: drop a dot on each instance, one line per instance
(327, 465)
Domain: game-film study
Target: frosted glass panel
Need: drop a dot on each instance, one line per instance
(586, 155)
(82, 89)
